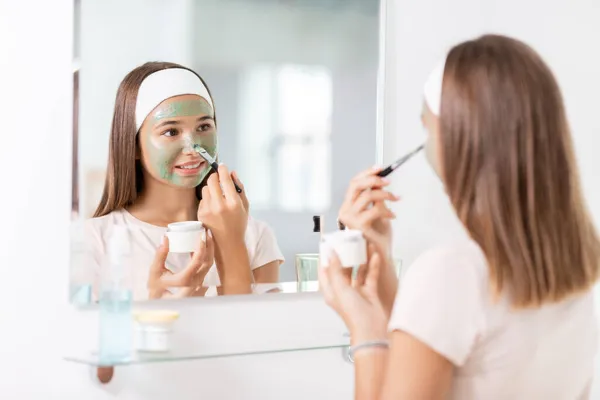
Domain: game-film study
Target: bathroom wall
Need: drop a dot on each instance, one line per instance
(35, 78)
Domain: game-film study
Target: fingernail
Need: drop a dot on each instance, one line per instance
(210, 234)
(385, 180)
(204, 236)
(376, 167)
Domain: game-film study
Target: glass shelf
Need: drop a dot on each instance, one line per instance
(81, 295)
(172, 356)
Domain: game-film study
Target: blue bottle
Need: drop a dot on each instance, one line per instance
(115, 300)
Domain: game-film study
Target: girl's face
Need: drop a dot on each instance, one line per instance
(431, 123)
(167, 137)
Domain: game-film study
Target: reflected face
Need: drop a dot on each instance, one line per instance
(167, 137)
(431, 123)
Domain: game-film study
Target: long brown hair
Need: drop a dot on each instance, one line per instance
(509, 168)
(124, 178)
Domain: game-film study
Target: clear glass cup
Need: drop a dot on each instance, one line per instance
(307, 266)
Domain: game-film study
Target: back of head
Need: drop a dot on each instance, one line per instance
(510, 171)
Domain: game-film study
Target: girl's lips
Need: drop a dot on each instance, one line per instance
(185, 170)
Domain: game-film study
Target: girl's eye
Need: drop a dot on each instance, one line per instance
(205, 127)
(170, 133)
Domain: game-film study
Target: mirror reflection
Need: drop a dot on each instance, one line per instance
(208, 134)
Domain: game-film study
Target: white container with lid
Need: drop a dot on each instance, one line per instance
(184, 237)
(349, 245)
(154, 329)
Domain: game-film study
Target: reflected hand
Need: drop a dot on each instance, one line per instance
(364, 209)
(356, 301)
(223, 210)
(189, 280)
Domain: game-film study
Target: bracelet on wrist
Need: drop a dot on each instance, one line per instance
(377, 344)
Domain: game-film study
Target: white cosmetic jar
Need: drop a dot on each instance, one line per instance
(184, 236)
(153, 330)
(349, 245)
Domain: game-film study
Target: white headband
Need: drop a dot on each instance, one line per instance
(433, 89)
(163, 85)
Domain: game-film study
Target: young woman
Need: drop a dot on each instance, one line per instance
(154, 178)
(508, 314)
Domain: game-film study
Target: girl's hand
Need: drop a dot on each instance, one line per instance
(356, 301)
(222, 209)
(364, 209)
(189, 280)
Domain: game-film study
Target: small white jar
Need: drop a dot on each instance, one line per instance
(349, 245)
(184, 236)
(153, 330)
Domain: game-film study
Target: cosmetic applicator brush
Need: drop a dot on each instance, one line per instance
(392, 167)
(211, 161)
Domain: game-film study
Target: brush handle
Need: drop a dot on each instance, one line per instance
(215, 168)
(386, 171)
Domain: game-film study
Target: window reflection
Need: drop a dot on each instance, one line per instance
(295, 172)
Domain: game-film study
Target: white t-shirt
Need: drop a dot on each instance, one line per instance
(145, 239)
(544, 354)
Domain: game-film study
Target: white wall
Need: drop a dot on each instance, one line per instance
(35, 78)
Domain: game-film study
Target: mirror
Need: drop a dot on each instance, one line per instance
(292, 110)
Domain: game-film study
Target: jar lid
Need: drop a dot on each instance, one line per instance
(156, 316)
(185, 226)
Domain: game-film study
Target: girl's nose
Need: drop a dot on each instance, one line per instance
(188, 145)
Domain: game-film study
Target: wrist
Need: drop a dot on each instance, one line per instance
(233, 267)
(230, 243)
(378, 334)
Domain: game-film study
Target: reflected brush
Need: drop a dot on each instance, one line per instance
(211, 161)
(393, 166)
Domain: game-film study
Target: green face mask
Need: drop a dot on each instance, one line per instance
(166, 144)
